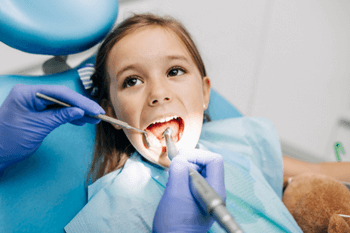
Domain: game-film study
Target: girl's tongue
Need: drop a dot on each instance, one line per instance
(157, 129)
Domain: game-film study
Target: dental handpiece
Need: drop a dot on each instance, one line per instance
(215, 205)
(170, 145)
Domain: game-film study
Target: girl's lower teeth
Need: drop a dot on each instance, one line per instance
(155, 142)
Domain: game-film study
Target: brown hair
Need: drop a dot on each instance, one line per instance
(112, 145)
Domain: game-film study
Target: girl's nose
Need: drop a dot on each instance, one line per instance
(159, 94)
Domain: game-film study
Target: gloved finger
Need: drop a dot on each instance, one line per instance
(211, 161)
(178, 177)
(78, 122)
(61, 116)
(66, 95)
(86, 119)
(213, 165)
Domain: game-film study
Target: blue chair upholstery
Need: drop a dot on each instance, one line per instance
(219, 108)
(45, 191)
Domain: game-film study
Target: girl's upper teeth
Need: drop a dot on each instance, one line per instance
(166, 119)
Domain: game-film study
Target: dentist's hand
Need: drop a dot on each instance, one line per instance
(25, 119)
(178, 211)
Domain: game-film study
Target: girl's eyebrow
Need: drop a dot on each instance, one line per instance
(129, 67)
(170, 57)
(177, 57)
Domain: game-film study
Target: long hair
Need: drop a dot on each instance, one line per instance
(112, 145)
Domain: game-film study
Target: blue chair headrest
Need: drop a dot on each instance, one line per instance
(54, 27)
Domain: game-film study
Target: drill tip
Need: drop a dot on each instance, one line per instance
(168, 132)
(170, 144)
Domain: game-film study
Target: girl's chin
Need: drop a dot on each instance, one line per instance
(160, 157)
(164, 160)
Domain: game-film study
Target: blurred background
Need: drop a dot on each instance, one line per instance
(288, 61)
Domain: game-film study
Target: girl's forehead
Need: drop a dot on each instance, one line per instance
(150, 47)
(150, 41)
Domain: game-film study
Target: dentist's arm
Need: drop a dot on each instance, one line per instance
(178, 211)
(26, 120)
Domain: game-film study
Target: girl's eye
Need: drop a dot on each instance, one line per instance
(176, 71)
(130, 82)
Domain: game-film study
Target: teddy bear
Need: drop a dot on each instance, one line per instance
(318, 203)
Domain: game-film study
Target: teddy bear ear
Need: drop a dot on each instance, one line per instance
(338, 224)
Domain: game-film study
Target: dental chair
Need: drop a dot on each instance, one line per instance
(44, 192)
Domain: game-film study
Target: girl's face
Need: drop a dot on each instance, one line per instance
(155, 84)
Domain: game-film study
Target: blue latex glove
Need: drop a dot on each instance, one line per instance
(178, 210)
(25, 119)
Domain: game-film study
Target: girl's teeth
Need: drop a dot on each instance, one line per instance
(164, 120)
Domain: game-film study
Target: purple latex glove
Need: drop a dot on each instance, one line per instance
(25, 119)
(178, 210)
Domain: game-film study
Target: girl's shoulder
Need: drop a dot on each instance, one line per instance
(255, 138)
(228, 131)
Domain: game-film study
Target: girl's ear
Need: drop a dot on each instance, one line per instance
(108, 107)
(206, 91)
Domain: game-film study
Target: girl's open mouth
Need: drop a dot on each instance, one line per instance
(155, 130)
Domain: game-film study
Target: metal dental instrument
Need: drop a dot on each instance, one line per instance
(99, 116)
(215, 205)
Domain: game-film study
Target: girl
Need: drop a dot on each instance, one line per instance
(150, 74)
(129, 94)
